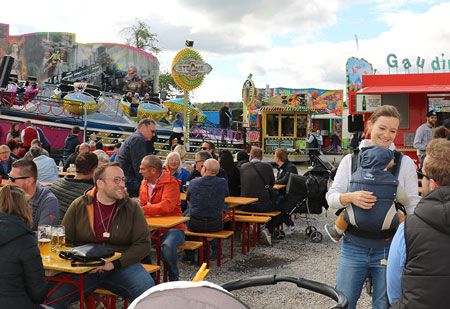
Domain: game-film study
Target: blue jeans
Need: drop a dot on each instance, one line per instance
(128, 282)
(170, 241)
(355, 263)
(133, 185)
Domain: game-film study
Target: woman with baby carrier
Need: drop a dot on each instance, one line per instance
(366, 253)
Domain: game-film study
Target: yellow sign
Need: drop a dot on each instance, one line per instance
(189, 69)
(248, 91)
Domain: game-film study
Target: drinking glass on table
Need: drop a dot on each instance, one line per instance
(44, 239)
(58, 239)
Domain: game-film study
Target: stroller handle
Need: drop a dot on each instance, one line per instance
(341, 299)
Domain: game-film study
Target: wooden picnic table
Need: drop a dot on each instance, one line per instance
(278, 186)
(231, 201)
(63, 174)
(55, 265)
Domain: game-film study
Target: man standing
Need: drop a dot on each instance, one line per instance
(6, 161)
(28, 134)
(257, 180)
(67, 189)
(106, 215)
(71, 142)
(335, 141)
(44, 205)
(132, 151)
(418, 271)
(159, 195)
(424, 134)
(225, 118)
(313, 147)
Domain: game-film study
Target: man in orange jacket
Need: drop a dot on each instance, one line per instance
(159, 195)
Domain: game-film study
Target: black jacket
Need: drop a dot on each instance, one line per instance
(3, 173)
(253, 186)
(22, 280)
(68, 189)
(284, 171)
(70, 144)
(131, 153)
(225, 117)
(426, 277)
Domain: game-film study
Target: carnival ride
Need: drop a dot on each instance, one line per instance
(143, 110)
(176, 106)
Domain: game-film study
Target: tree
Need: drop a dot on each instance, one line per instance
(167, 84)
(140, 36)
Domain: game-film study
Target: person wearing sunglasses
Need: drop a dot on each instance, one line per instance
(209, 147)
(133, 150)
(45, 206)
(107, 215)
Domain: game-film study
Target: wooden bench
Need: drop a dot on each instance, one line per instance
(246, 221)
(108, 299)
(207, 237)
(251, 213)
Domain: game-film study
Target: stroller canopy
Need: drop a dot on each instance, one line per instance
(187, 295)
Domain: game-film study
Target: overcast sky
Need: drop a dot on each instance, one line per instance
(297, 44)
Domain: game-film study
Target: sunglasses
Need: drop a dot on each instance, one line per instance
(13, 179)
(205, 148)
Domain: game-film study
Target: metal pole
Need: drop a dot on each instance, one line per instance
(186, 119)
(85, 121)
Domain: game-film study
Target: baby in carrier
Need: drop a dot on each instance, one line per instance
(372, 175)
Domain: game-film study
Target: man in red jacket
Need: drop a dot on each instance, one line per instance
(159, 195)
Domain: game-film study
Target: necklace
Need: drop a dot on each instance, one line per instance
(106, 228)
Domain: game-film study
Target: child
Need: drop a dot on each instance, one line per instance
(372, 176)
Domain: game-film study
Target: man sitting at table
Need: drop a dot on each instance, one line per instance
(67, 189)
(45, 207)
(159, 195)
(206, 195)
(200, 158)
(106, 215)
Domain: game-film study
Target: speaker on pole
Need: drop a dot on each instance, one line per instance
(5, 70)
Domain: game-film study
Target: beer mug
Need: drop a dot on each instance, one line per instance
(58, 239)
(186, 186)
(44, 238)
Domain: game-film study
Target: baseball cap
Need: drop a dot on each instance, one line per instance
(431, 113)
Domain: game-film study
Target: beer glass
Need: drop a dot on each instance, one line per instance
(58, 239)
(44, 238)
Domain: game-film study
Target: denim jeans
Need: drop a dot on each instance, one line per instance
(132, 185)
(128, 282)
(355, 264)
(170, 241)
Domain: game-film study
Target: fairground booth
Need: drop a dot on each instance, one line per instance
(412, 94)
(280, 117)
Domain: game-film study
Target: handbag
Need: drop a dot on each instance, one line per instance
(87, 255)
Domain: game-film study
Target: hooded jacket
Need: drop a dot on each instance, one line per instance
(129, 232)
(22, 280)
(426, 277)
(165, 199)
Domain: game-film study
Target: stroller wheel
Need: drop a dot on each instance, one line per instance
(316, 237)
(309, 230)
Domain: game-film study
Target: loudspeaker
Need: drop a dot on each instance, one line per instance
(355, 123)
(5, 70)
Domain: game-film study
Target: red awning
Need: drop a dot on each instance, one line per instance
(405, 89)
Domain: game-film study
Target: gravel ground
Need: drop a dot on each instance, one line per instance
(294, 256)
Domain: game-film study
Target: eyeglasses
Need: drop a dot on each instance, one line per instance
(205, 148)
(13, 179)
(117, 180)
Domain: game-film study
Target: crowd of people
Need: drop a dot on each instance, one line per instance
(106, 200)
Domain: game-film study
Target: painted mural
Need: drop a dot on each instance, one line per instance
(356, 68)
(320, 101)
(55, 57)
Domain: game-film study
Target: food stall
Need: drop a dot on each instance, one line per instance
(280, 117)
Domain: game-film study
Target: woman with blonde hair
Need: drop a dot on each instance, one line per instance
(22, 279)
(365, 254)
(174, 165)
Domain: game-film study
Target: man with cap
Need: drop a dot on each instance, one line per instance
(424, 134)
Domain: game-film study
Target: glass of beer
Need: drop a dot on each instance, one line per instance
(44, 239)
(58, 239)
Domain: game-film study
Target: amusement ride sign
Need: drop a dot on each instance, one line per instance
(188, 71)
(248, 96)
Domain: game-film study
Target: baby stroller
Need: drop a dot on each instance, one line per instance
(204, 294)
(306, 195)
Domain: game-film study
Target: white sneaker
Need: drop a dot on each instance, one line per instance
(290, 230)
(266, 237)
